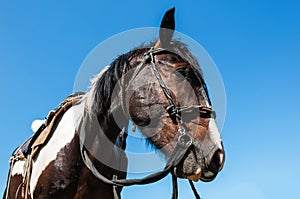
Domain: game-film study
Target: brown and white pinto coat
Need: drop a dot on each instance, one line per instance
(58, 170)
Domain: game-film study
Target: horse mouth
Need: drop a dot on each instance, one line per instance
(204, 176)
(200, 174)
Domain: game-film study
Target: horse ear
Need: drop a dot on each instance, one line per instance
(166, 30)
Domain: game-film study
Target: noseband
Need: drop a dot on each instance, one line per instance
(185, 142)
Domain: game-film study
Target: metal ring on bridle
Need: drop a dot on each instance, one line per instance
(185, 140)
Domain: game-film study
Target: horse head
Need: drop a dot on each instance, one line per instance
(148, 105)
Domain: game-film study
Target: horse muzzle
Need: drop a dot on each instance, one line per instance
(205, 170)
(216, 165)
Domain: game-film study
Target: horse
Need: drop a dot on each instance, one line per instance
(160, 88)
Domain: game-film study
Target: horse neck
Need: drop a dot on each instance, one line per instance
(104, 117)
(99, 133)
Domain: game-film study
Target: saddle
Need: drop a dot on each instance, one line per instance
(46, 127)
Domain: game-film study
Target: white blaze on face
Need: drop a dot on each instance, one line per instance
(62, 136)
(214, 133)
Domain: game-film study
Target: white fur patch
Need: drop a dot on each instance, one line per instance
(90, 96)
(18, 168)
(214, 133)
(62, 136)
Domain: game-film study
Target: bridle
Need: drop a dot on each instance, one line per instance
(173, 109)
(185, 142)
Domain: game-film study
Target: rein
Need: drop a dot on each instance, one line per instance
(185, 142)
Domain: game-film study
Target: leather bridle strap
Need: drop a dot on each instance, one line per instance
(175, 110)
(162, 84)
(181, 148)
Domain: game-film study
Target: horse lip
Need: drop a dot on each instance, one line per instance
(196, 177)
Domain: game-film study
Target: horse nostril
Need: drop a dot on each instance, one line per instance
(219, 158)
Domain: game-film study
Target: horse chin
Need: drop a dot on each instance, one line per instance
(208, 176)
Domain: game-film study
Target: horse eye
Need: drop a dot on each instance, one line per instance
(182, 73)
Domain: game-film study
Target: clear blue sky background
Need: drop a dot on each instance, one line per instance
(255, 45)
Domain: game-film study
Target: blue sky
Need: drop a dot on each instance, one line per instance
(255, 45)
